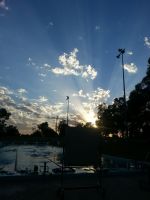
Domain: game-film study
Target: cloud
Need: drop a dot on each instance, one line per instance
(79, 94)
(42, 75)
(46, 67)
(42, 99)
(51, 24)
(5, 91)
(97, 28)
(95, 97)
(131, 68)
(130, 53)
(86, 103)
(3, 5)
(32, 63)
(147, 42)
(22, 91)
(71, 66)
(27, 112)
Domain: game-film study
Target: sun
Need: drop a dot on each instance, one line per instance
(90, 117)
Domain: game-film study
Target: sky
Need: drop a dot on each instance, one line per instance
(50, 49)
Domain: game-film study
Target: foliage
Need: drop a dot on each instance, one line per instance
(12, 131)
(139, 107)
(111, 117)
(88, 125)
(135, 114)
(62, 127)
(4, 115)
(6, 130)
(44, 131)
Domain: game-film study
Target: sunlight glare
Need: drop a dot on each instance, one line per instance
(90, 117)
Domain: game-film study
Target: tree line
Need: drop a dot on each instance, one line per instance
(130, 118)
(42, 130)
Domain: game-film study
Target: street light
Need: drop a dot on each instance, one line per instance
(121, 53)
(67, 99)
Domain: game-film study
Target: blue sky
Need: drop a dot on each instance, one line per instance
(51, 49)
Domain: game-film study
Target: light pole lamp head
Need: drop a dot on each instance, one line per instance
(118, 56)
(121, 51)
(67, 97)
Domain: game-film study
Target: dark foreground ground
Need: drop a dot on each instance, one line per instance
(118, 187)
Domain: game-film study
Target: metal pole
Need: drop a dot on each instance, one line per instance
(67, 110)
(123, 76)
(56, 126)
(121, 53)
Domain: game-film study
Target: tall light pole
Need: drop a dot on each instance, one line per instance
(56, 125)
(67, 99)
(121, 53)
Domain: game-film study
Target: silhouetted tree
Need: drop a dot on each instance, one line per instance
(45, 130)
(12, 131)
(112, 118)
(43, 127)
(7, 130)
(88, 125)
(139, 107)
(4, 116)
(36, 133)
(62, 128)
(80, 125)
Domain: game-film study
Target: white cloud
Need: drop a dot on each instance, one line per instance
(46, 66)
(42, 75)
(147, 41)
(95, 97)
(64, 71)
(130, 53)
(71, 66)
(42, 99)
(22, 91)
(131, 68)
(5, 91)
(29, 59)
(99, 95)
(80, 94)
(86, 103)
(91, 71)
(3, 5)
(27, 112)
